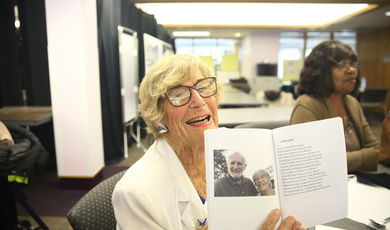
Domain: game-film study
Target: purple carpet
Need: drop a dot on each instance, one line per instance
(44, 193)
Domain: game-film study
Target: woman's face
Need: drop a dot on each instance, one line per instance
(262, 182)
(187, 123)
(344, 77)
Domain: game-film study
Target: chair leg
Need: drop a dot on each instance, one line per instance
(20, 196)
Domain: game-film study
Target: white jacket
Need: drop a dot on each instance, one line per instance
(156, 193)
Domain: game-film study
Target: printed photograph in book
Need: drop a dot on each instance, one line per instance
(232, 179)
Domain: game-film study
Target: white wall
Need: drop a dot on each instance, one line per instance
(256, 48)
(75, 86)
(245, 57)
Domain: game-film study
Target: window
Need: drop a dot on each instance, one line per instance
(206, 47)
(292, 45)
(347, 38)
(315, 38)
(291, 49)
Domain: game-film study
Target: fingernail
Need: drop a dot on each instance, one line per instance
(290, 219)
(277, 211)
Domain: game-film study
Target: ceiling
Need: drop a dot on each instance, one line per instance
(374, 19)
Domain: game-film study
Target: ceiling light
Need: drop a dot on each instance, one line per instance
(251, 14)
(237, 35)
(387, 13)
(191, 33)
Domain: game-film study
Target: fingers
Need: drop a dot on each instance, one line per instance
(272, 220)
(288, 224)
(297, 226)
(291, 223)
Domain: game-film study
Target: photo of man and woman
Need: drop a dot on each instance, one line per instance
(233, 177)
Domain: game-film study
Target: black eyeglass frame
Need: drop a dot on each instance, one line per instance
(190, 88)
(352, 64)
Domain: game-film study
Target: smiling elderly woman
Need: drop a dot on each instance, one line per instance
(263, 183)
(166, 188)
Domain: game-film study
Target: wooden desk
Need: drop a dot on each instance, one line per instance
(261, 117)
(26, 115)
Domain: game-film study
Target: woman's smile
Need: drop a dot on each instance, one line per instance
(198, 121)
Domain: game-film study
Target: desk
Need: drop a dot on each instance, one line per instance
(25, 115)
(261, 117)
(366, 201)
(234, 98)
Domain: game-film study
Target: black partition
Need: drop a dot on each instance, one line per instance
(111, 14)
(24, 72)
(10, 48)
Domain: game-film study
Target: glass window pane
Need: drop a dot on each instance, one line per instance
(184, 45)
(346, 37)
(291, 49)
(315, 38)
(205, 47)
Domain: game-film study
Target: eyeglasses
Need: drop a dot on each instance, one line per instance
(181, 95)
(344, 64)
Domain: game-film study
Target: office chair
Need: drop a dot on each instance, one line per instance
(373, 98)
(94, 210)
(17, 163)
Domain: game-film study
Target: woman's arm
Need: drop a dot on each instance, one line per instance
(132, 211)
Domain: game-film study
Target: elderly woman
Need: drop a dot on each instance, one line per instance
(330, 74)
(263, 183)
(166, 188)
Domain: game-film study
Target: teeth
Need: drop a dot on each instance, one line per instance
(198, 121)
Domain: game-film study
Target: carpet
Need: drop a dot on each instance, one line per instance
(46, 197)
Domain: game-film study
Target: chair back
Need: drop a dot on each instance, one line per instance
(374, 95)
(94, 210)
(374, 98)
(262, 125)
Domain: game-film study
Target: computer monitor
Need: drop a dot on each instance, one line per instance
(267, 70)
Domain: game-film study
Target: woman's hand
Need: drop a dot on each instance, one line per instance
(384, 152)
(288, 224)
(386, 127)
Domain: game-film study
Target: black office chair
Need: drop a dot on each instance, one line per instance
(94, 210)
(373, 98)
(17, 163)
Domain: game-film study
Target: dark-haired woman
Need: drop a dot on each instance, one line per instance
(328, 80)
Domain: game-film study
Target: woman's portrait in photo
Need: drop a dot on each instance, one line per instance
(264, 183)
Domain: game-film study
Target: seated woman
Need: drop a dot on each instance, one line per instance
(329, 76)
(166, 188)
(263, 183)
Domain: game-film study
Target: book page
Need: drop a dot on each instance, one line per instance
(312, 171)
(231, 206)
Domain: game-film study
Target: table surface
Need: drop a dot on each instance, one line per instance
(259, 115)
(26, 115)
(365, 201)
(231, 97)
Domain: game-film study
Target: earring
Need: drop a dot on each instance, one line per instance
(161, 129)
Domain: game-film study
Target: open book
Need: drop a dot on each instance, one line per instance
(300, 169)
